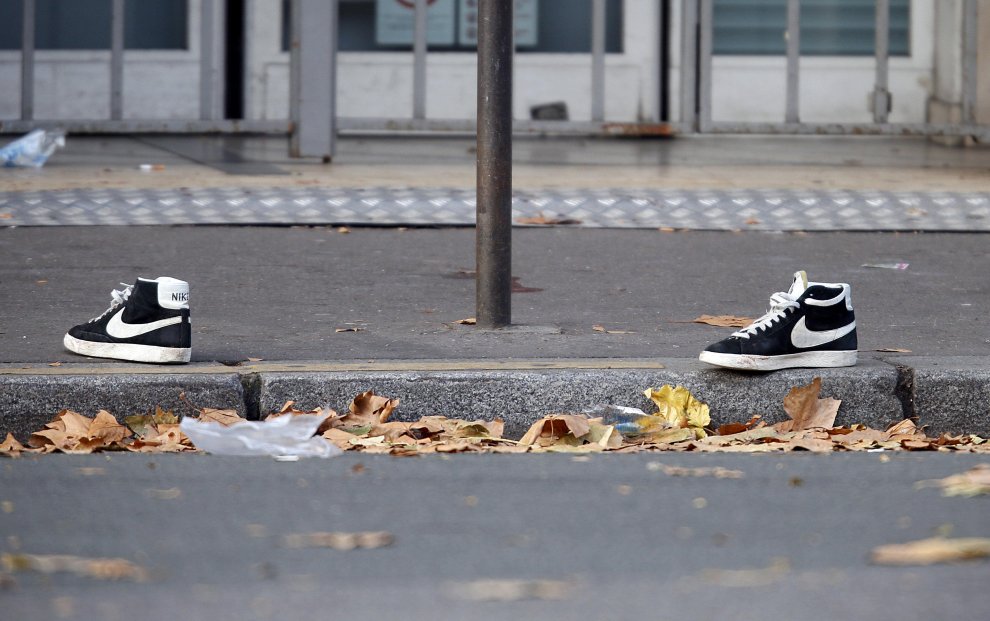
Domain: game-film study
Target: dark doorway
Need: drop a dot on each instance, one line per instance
(234, 63)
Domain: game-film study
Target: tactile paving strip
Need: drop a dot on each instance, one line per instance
(777, 210)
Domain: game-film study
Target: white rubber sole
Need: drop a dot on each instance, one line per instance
(746, 362)
(128, 351)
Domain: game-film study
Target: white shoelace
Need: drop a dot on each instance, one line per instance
(119, 297)
(779, 303)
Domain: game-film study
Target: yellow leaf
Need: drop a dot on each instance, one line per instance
(604, 436)
(679, 408)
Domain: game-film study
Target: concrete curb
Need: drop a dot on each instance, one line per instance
(27, 402)
(945, 394)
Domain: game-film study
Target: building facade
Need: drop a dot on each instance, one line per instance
(643, 61)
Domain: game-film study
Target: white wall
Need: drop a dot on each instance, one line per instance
(833, 89)
(158, 84)
(379, 84)
(165, 84)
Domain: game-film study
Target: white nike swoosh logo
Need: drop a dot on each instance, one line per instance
(803, 338)
(120, 330)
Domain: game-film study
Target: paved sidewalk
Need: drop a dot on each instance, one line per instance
(281, 293)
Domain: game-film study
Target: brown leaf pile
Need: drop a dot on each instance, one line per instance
(367, 427)
(72, 432)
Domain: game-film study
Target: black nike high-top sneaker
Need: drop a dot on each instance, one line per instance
(146, 322)
(810, 325)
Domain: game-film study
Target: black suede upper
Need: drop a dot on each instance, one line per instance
(775, 340)
(140, 307)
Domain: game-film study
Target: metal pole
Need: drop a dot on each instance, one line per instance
(494, 199)
(211, 60)
(689, 64)
(27, 62)
(969, 45)
(313, 74)
(597, 60)
(117, 61)
(793, 59)
(419, 61)
(706, 20)
(881, 92)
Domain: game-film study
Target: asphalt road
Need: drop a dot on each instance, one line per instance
(281, 293)
(621, 540)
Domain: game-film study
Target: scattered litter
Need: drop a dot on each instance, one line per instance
(349, 329)
(893, 350)
(679, 471)
(283, 435)
(98, 568)
(32, 150)
(508, 590)
(470, 321)
(151, 167)
(368, 540)
(887, 266)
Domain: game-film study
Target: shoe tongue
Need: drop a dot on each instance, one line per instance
(799, 285)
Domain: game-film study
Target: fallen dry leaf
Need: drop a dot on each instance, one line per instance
(72, 432)
(679, 408)
(98, 568)
(547, 220)
(250, 359)
(557, 429)
(367, 540)
(369, 409)
(806, 410)
(723, 321)
(55, 364)
(224, 417)
(10, 446)
(470, 321)
(717, 472)
(601, 328)
(349, 329)
(894, 350)
(931, 551)
(973, 482)
(749, 578)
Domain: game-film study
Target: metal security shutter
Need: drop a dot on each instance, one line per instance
(828, 27)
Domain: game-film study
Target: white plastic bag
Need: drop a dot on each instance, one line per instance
(32, 150)
(284, 436)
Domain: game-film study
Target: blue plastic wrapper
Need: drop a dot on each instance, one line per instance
(32, 150)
